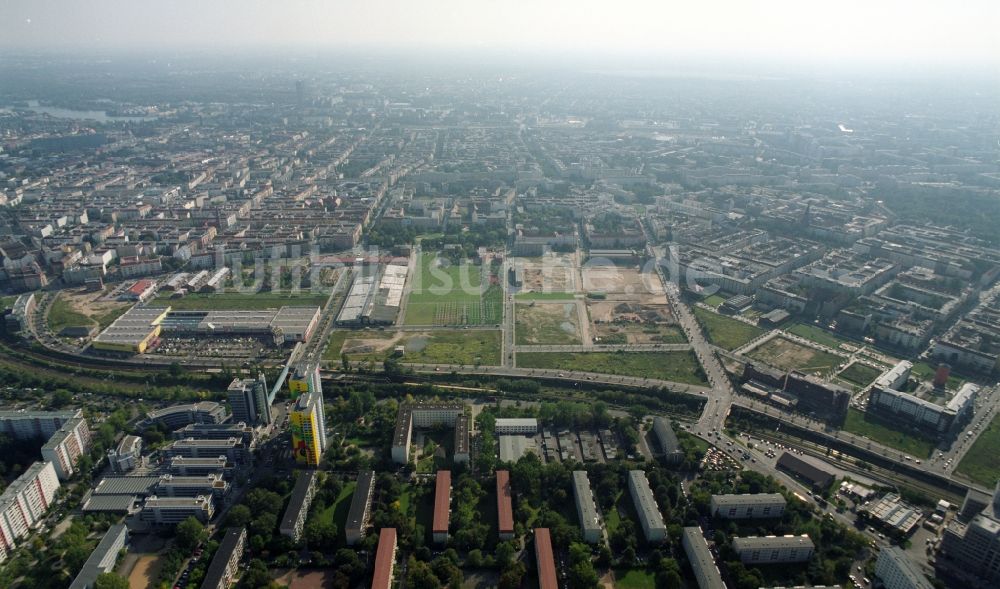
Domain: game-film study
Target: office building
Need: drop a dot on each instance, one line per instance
(669, 445)
(294, 520)
(226, 562)
(706, 572)
(170, 511)
(748, 505)
(970, 549)
(218, 431)
(248, 401)
(586, 509)
(648, 511)
(385, 559)
(126, 455)
(505, 509)
(178, 416)
(200, 466)
(442, 506)
(774, 549)
(232, 448)
(545, 559)
(361, 505)
(896, 571)
(307, 423)
(516, 426)
(103, 558)
(170, 485)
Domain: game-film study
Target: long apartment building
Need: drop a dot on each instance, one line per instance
(232, 448)
(442, 506)
(385, 559)
(706, 572)
(66, 433)
(586, 509)
(294, 520)
(774, 549)
(748, 505)
(361, 505)
(225, 564)
(897, 571)
(650, 517)
(669, 445)
(545, 559)
(103, 559)
(24, 503)
(421, 416)
(505, 509)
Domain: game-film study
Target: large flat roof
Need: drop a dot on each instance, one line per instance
(296, 502)
(359, 502)
(442, 502)
(220, 562)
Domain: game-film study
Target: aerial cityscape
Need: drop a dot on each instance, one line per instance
(382, 319)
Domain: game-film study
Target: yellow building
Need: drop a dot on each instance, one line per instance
(133, 332)
(306, 422)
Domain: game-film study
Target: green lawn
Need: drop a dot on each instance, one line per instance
(453, 346)
(925, 371)
(860, 374)
(634, 579)
(544, 296)
(982, 462)
(550, 323)
(336, 513)
(789, 355)
(878, 431)
(674, 366)
(234, 301)
(448, 294)
(714, 300)
(817, 334)
(725, 332)
(62, 314)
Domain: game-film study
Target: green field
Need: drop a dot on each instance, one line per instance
(714, 300)
(634, 579)
(240, 302)
(453, 346)
(62, 314)
(859, 374)
(447, 294)
(982, 462)
(725, 332)
(875, 429)
(789, 355)
(544, 296)
(336, 513)
(673, 366)
(817, 335)
(925, 371)
(551, 323)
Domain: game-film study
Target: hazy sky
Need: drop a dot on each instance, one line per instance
(820, 31)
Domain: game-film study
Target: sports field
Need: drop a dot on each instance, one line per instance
(452, 294)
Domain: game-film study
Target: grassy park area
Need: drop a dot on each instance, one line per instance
(817, 334)
(981, 463)
(673, 366)
(725, 332)
(861, 424)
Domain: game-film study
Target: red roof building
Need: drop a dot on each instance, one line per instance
(505, 512)
(385, 559)
(442, 506)
(546, 561)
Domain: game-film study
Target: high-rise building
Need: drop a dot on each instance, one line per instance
(305, 379)
(307, 424)
(248, 401)
(896, 571)
(971, 549)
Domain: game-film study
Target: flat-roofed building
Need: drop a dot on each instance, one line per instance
(133, 332)
(442, 506)
(24, 502)
(103, 558)
(248, 400)
(294, 520)
(232, 448)
(748, 505)
(226, 562)
(897, 571)
(178, 416)
(126, 455)
(648, 511)
(66, 445)
(808, 470)
(516, 425)
(191, 486)
(308, 425)
(505, 509)
(218, 431)
(170, 511)
(706, 572)
(361, 504)
(200, 466)
(385, 559)
(419, 415)
(774, 549)
(667, 438)
(893, 513)
(586, 509)
(545, 560)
